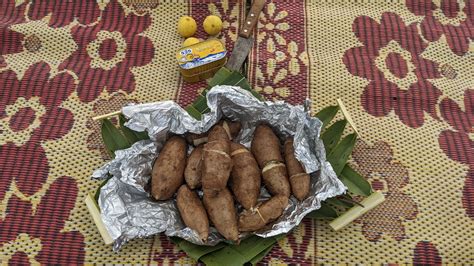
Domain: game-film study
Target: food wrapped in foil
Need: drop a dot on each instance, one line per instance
(127, 209)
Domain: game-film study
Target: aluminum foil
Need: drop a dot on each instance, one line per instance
(127, 209)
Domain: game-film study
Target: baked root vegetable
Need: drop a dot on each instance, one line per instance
(196, 139)
(168, 170)
(192, 211)
(232, 129)
(217, 133)
(192, 172)
(266, 146)
(222, 213)
(275, 179)
(216, 161)
(270, 210)
(299, 179)
(266, 149)
(245, 176)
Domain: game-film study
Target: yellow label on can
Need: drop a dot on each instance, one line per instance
(200, 54)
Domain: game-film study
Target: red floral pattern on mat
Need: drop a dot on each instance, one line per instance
(376, 163)
(19, 258)
(141, 7)
(64, 12)
(30, 98)
(108, 50)
(381, 95)
(457, 144)
(9, 14)
(169, 253)
(27, 165)
(47, 224)
(280, 71)
(298, 249)
(450, 18)
(11, 40)
(426, 253)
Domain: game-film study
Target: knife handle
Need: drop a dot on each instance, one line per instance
(252, 18)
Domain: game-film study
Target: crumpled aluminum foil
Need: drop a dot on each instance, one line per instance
(127, 209)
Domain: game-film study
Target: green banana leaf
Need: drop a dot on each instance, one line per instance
(131, 134)
(247, 250)
(127, 132)
(222, 77)
(325, 211)
(260, 256)
(332, 135)
(340, 154)
(338, 202)
(327, 114)
(195, 251)
(97, 192)
(218, 79)
(354, 182)
(113, 137)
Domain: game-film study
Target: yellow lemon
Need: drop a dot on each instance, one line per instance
(190, 41)
(186, 26)
(212, 25)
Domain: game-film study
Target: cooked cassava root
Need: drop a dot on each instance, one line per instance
(192, 211)
(167, 174)
(245, 176)
(192, 172)
(221, 210)
(210, 166)
(232, 129)
(299, 179)
(266, 149)
(216, 168)
(216, 161)
(252, 220)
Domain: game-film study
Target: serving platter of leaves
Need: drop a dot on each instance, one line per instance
(251, 250)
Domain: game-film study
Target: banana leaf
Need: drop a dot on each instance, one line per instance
(247, 250)
(354, 182)
(131, 134)
(222, 77)
(340, 203)
(327, 114)
(97, 192)
(332, 135)
(127, 132)
(113, 137)
(260, 256)
(325, 211)
(218, 79)
(195, 251)
(340, 154)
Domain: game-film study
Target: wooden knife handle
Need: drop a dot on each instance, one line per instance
(252, 18)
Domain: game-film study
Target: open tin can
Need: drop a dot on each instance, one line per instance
(201, 60)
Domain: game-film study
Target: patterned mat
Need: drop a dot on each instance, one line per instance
(404, 69)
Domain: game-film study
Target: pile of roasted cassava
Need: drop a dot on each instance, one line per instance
(228, 173)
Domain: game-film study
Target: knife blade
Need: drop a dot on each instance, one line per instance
(245, 41)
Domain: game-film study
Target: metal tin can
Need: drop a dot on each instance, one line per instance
(201, 60)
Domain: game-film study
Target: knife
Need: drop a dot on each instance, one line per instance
(245, 41)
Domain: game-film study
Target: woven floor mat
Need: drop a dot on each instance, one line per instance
(404, 70)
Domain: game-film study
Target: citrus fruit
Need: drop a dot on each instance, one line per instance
(190, 41)
(212, 25)
(186, 26)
